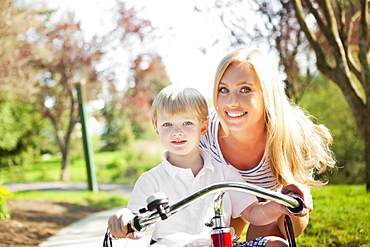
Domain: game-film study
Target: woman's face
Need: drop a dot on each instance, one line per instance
(240, 100)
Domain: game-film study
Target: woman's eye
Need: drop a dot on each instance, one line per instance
(245, 90)
(223, 90)
(167, 124)
(187, 123)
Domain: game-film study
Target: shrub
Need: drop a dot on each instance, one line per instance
(4, 212)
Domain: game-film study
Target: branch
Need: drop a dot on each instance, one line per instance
(351, 62)
(332, 34)
(317, 16)
(338, 47)
(310, 35)
(342, 15)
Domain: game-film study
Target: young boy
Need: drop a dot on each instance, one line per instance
(179, 117)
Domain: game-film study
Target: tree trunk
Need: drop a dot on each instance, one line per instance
(367, 154)
(343, 69)
(65, 167)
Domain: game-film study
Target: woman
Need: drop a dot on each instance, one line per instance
(257, 130)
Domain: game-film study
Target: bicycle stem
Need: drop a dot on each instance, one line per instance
(141, 221)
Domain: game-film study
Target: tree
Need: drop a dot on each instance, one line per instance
(341, 45)
(20, 122)
(128, 113)
(149, 79)
(64, 59)
(127, 106)
(18, 25)
(20, 128)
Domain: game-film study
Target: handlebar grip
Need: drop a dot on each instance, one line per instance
(134, 225)
(299, 208)
(130, 229)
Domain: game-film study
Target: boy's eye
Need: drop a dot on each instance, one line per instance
(187, 123)
(167, 124)
(245, 90)
(223, 90)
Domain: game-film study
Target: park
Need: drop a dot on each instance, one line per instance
(75, 106)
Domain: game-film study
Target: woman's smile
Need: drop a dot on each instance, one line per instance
(235, 114)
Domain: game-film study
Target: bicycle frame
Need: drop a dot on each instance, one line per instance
(159, 208)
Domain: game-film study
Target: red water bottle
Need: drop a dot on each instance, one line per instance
(221, 237)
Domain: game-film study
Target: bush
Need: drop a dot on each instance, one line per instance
(4, 212)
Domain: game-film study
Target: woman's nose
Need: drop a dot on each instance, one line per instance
(232, 100)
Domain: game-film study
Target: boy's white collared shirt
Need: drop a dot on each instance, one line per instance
(187, 226)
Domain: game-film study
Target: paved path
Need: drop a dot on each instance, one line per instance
(89, 231)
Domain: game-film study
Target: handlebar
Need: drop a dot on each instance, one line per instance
(141, 221)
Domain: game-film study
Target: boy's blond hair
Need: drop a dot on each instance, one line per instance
(174, 99)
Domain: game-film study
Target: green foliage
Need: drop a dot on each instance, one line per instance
(4, 194)
(119, 133)
(126, 166)
(324, 100)
(20, 131)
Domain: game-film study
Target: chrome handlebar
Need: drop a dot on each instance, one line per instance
(158, 207)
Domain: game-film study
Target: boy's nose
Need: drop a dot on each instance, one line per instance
(177, 131)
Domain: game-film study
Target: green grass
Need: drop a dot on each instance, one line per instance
(87, 199)
(341, 217)
(118, 167)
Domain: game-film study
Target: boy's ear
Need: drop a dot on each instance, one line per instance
(204, 129)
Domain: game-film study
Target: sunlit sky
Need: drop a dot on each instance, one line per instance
(184, 32)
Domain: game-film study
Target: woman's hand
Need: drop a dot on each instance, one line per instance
(117, 223)
(301, 192)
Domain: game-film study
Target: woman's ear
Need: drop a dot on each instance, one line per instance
(204, 129)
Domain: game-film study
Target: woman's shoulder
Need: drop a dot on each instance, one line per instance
(225, 172)
(212, 114)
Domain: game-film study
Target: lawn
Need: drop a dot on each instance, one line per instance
(111, 167)
(341, 217)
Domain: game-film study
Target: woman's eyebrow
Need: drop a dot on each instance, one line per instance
(239, 83)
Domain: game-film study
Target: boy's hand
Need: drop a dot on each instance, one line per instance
(117, 223)
(303, 193)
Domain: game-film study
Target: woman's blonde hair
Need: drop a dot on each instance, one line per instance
(174, 100)
(296, 145)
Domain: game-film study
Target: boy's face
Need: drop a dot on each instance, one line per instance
(180, 134)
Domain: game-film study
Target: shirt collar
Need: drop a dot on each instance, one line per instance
(173, 170)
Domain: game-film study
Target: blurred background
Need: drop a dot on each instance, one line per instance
(124, 52)
(77, 79)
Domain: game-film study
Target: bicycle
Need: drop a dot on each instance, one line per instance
(158, 208)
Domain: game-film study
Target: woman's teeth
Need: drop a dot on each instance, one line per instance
(236, 114)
